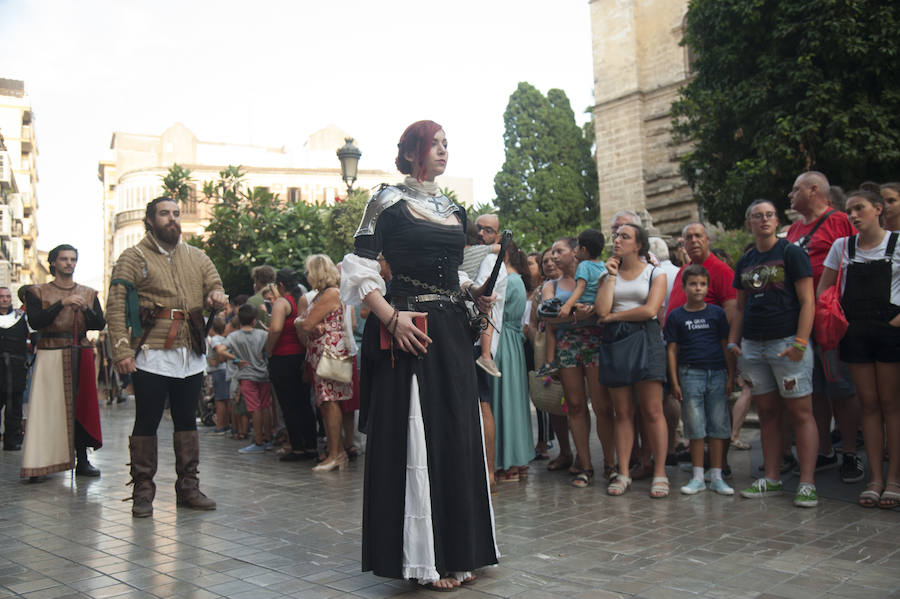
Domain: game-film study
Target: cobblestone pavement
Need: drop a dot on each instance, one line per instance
(282, 531)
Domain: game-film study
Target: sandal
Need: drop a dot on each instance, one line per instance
(523, 472)
(609, 471)
(583, 479)
(890, 499)
(659, 487)
(352, 452)
(430, 586)
(560, 463)
(871, 496)
(618, 486)
(739, 443)
(510, 476)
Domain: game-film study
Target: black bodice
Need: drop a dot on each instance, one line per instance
(415, 248)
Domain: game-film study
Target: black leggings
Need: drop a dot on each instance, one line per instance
(286, 374)
(150, 393)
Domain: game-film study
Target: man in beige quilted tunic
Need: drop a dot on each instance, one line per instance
(156, 296)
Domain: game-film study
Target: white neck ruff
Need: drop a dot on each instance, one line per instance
(427, 187)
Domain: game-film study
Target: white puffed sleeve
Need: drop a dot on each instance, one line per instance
(359, 277)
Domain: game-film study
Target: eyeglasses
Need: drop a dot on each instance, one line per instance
(762, 215)
(488, 229)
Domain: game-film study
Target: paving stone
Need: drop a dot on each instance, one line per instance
(281, 531)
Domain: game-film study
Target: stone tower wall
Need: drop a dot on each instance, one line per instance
(638, 69)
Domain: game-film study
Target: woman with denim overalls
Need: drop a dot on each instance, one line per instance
(871, 347)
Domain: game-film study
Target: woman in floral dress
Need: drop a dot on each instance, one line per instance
(322, 323)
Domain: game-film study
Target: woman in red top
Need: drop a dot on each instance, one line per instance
(286, 358)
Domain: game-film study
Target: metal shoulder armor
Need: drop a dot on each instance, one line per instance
(384, 198)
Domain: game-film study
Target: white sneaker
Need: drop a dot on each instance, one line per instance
(721, 487)
(693, 487)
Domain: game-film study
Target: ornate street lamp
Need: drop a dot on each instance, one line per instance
(349, 155)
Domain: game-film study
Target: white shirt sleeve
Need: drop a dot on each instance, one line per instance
(359, 277)
(835, 254)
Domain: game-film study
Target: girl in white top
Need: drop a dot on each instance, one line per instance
(633, 291)
(870, 292)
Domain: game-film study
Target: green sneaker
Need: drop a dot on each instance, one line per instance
(762, 488)
(806, 496)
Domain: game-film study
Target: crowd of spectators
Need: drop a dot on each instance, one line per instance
(744, 328)
(271, 344)
(565, 319)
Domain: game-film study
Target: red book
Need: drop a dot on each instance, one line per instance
(419, 321)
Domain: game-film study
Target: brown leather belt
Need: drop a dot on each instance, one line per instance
(174, 314)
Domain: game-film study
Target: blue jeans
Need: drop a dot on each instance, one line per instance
(704, 405)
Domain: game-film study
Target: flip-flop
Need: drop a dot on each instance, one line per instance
(871, 496)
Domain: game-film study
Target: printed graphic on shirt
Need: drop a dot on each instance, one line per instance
(696, 324)
(763, 277)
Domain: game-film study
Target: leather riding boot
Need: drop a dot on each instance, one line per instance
(187, 457)
(143, 469)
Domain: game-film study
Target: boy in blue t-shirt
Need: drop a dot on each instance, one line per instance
(590, 269)
(696, 335)
(587, 274)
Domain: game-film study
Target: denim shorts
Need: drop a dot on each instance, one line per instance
(765, 372)
(220, 385)
(704, 404)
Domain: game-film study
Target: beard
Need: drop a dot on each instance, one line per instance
(169, 234)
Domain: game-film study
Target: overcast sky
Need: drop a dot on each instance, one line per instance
(272, 73)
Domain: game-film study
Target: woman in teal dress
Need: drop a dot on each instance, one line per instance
(512, 412)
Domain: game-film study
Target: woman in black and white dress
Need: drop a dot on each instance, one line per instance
(426, 510)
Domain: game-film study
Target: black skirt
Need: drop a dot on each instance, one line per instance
(462, 523)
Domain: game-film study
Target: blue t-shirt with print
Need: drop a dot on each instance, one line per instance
(591, 272)
(699, 336)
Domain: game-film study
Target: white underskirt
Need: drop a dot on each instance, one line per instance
(418, 533)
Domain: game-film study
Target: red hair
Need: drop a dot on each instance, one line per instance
(416, 139)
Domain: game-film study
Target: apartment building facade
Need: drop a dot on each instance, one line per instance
(19, 263)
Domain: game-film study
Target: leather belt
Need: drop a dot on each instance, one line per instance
(174, 314)
(56, 335)
(171, 313)
(411, 301)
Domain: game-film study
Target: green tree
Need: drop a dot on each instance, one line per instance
(176, 183)
(784, 86)
(478, 209)
(253, 227)
(547, 186)
(342, 220)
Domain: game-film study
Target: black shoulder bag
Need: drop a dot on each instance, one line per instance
(623, 354)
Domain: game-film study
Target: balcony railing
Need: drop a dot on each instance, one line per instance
(27, 138)
(28, 203)
(129, 217)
